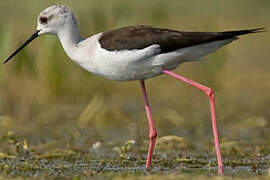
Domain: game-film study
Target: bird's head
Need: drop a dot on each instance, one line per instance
(53, 19)
(50, 21)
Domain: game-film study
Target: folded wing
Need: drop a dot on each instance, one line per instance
(140, 37)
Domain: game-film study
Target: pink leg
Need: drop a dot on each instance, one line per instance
(152, 129)
(209, 92)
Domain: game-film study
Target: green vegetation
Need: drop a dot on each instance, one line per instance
(58, 120)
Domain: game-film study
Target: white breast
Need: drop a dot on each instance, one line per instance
(123, 65)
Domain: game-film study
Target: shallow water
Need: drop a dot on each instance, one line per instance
(120, 167)
(19, 158)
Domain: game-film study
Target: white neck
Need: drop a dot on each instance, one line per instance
(80, 50)
(69, 37)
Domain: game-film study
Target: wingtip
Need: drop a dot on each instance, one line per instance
(257, 30)
(245, 31)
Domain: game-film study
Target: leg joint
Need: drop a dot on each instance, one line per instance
(153, 134)
(209, 92)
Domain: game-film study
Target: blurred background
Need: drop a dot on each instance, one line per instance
(47, 99)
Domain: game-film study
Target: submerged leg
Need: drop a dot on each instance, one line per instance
(209, 92)
(152, 129)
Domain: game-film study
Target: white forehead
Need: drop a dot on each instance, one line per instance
(55, 10)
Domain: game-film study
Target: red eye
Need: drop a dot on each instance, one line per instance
(43, 19)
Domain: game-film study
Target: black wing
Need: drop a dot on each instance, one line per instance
(139, 37)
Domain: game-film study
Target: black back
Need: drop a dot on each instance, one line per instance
(139, 37)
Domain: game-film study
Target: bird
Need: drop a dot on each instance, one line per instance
(135, 53)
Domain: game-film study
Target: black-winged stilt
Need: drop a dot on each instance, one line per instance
(135, 53)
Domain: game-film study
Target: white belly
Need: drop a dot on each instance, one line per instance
(129, 65)
(141, 64)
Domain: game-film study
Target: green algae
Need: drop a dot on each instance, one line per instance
(57, 153)
(172, 142)
(6, 156)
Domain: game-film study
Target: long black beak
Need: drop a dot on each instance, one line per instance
(34, 36)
